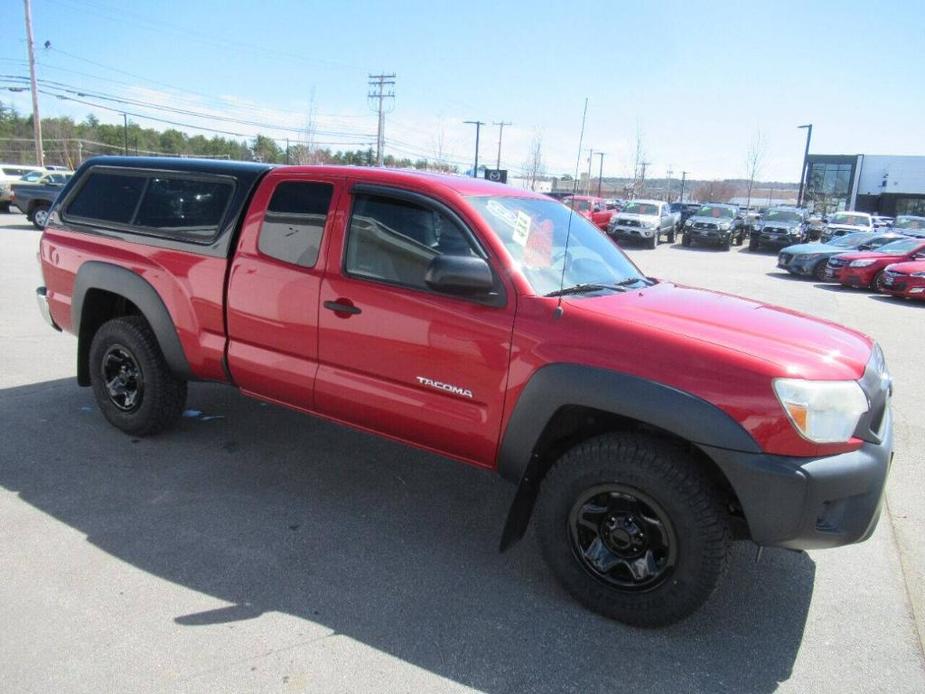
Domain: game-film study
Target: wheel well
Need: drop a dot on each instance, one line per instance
(99, 306)
(572, 424)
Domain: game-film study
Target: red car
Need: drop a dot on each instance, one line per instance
(866, 268)
(906, 280)
(591, 208)
(644, 424)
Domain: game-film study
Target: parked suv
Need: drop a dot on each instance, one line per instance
(842, 223)
(716, 224)
(778, 227)
(489, 325)
(644, 220)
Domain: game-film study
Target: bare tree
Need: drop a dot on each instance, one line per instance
(534, 166)
(306, 152)
(714, 191)
(754, 158)
(438, 144)
(639, 164)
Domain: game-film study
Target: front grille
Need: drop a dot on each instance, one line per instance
(785, 258)
(837, 262)
(628, 223)
(704, 225)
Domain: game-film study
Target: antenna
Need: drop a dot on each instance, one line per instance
(571, 211)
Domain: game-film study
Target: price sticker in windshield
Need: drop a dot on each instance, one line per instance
(522, 228)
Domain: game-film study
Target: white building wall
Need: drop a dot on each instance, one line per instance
(903, 175)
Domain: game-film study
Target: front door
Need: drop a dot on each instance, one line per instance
(398, 358)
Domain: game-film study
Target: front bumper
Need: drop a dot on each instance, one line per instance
(810, 503)
(904, 286)
(41, 296)
(775, 240)
(631, 233)
(708, 235)
(851, 277)
(800, 265)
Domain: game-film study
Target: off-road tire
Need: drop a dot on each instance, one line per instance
(753, 245)
(163, 395)
(685, 240)
(653, 242)
(666, 474)
(672, 235)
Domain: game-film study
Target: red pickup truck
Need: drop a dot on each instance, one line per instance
(591, 208)
(648, 423)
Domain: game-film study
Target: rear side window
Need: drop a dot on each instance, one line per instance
(183, 207)
(294, 222)
(107, 198)
(394, 240)
(174, 206)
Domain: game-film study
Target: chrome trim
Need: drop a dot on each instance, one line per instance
(41, 297)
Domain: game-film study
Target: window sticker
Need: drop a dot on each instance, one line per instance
(499, 211)
(522, 228)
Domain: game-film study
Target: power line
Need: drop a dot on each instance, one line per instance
(379, 83)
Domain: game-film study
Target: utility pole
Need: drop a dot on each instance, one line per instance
(377, 86)
(642, 179)
(287, 150)
(668, 191)
(478, 127)
(600, 172)
(683, 178)
(500, 134)
(803, 172)
(590, 158)
(125, 134)
(36, 118)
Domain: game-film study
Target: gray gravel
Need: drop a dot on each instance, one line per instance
(267, 551)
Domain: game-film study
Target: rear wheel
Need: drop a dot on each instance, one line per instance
(632, 529)
(40, 216)
(653, 242)
(685, 240)
(133, 385)
(753, 244)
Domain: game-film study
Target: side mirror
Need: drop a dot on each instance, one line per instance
(596, 208)
(462, 275)
(864, 247)
(824, 220)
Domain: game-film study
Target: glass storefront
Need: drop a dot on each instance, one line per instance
(914, 206)
(828, 185)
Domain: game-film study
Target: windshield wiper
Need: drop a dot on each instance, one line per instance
(596, 287)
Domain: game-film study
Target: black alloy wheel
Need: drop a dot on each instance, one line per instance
(123, 378)
(623, 537)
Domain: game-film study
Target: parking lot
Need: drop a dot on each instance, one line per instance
(254, 548)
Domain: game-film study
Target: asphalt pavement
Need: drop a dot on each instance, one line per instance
(256, 549)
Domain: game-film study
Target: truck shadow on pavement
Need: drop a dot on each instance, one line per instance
(270, 510)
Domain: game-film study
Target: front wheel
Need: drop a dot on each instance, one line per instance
(685, 240)
(133, 384)
(753, 244)
(672, 235)
(877, 282)
(819, 270)
(633, 529)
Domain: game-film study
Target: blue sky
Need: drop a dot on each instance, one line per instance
(696, 80)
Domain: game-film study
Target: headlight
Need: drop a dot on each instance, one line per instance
(918, 274)
(649, 225)
(688, 223)
(725, 227)
(822, 411)
(860, 263)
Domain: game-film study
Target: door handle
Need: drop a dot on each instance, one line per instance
(342, 306)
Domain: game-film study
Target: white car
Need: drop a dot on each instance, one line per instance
(10, 173)
(842, 223)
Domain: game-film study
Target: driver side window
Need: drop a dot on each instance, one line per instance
(394, 240)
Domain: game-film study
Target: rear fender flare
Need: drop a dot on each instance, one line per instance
(125, 283)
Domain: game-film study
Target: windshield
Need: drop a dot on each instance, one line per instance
(850, 219)
(899, 247)
(715, 211)
(578, 205)
(640, 208)
(782, 216)
(533, 231)
(849, 240)
(909, 223)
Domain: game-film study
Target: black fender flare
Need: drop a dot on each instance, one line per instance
(118, 280)
(560, 385)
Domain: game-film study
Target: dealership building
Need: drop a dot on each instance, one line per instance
(880, 184)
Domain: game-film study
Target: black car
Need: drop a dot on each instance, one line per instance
(716, 224)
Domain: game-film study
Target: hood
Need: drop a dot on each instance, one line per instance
(815, 247)
(777, 341)
(908, 268)
(847, 227)
(637, 217)
(710, 220)
(869, 255)
(773, 224)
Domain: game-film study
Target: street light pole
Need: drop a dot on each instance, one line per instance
(500, 135)
(600, 172)
(803, 172)
(683, 178)
(125, 134)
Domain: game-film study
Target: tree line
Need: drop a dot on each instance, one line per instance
(68, 143)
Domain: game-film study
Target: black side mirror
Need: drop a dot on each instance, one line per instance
(864, 247)
(596, 208)
(462, 275)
